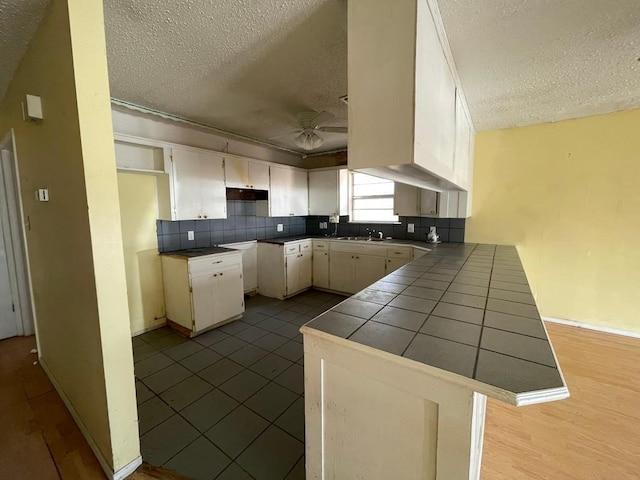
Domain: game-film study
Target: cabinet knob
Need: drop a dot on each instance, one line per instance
(204, 216)
(221, 274)
(215, 274)
(199, 216)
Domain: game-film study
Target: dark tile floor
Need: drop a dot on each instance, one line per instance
(228, 404)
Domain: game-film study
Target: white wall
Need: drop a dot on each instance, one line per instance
(150, 126)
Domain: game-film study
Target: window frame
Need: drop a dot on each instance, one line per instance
(396, 218)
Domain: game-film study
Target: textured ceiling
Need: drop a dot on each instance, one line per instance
(527, 62)
(19, 20)
(246, 66)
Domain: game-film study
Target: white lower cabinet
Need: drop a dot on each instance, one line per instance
(284, 269)
(321, 264)
(249, 263)
(298, 272)
(203, 292)
(342, 272)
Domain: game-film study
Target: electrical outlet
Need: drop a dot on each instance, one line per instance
(190, 235)
(280, 227)
(410, 228)
(323, 225)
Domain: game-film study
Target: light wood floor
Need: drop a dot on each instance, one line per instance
(594, 435)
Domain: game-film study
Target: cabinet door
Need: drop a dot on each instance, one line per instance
(342, 272)
(299, 193)
(369, 269)
(461, 165)
(236, 172)
(405, 200)
(187, 183)
(198, 178)
(281, 179)
(259, 175)
(435, 99)
(305, 269)
(250, 268)
(214, 193)
(229, 295)
(292, 273)
(395, 263)
(323, 192)
(428, 203)
(203, 289)
(321, 269)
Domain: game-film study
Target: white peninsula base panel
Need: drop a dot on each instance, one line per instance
(373, 415)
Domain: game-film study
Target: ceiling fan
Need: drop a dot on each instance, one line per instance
(311, 123)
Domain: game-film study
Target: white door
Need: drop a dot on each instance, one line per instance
(299, 193)
(323, 192)
(236, 172)
(292, 267)
(259, 175)
(281, 180)
(321, 269)
(229, 297)
(395, 263)
(214, 193)
(369, 269)
(342, 272)
(188, 184)
(202, 296)
(8, 326)
(305, 269)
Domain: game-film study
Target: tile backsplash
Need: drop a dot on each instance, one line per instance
(241, 225)
(449, 229)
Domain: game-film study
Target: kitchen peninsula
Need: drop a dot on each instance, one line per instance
(396, 377)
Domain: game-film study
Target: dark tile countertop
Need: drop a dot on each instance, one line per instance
(283, 240)
(199, 252)
(463, 308)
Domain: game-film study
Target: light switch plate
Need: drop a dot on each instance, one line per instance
(410, 228)
(190, 235)
(42, 194)
(280, 227)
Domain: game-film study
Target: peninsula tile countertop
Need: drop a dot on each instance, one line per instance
(462, 308)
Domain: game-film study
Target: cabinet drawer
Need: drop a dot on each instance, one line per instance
(305, 246)
(211, 263)
(289, 249)
(399, 252)
(320, 245)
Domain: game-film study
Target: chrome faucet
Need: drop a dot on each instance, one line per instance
(381, 235)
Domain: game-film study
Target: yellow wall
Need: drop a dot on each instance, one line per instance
(74, 241)
(568, 195)
(138, 208)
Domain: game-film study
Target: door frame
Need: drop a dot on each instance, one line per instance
(11, 215)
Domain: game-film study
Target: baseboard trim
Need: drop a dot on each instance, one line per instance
(128, 469)
(120, 474)
(590, 326)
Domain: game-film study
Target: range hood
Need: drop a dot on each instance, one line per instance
(407, 118)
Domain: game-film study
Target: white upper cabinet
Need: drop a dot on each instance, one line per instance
(403, 105)
(198, 182)
(288, 193)
(410, 201)
(244, 173)
(463, 166)
(328, 191)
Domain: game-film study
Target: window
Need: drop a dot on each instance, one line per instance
(372, 199)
